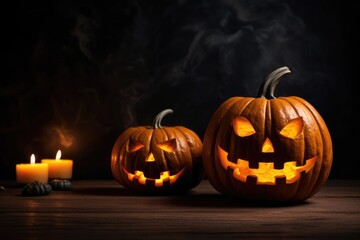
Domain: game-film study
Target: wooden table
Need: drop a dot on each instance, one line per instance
(102, 209)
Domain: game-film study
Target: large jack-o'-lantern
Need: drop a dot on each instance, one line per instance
(157, 159)
(267, 148)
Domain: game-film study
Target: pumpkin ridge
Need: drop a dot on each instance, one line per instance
(141, 135)
(297, 184)
(268, 118)
(120, 150)
(256, 103)
(314, 178)
(184, 155)
(193, 161)
(222, 126)
(320, 122)
(191, 137)
(287, 100)
(168, 137)
(187, 140)
(212, 130)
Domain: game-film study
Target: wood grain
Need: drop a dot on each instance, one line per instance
(102, 209)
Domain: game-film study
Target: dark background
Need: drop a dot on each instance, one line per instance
(78, 73)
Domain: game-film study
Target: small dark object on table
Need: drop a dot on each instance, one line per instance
(36, 189)
(60, 184)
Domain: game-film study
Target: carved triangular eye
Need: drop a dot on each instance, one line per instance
(242, 127)
(133, 146)
(168, 146)
(293, 128)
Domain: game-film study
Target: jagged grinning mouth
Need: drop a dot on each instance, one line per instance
(159, 182)
(265, 174)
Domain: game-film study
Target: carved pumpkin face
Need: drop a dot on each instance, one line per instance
(157, 159)
(269, 165)
(267, 148)
(149, 164)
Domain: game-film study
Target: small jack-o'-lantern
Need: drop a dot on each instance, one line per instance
(157, 159)
(267, 148)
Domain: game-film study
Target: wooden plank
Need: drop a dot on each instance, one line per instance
(102, 209)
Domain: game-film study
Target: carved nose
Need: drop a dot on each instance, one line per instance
(150, 158)
(267, 146)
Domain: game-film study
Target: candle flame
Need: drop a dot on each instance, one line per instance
(32, 159)
(58, 155)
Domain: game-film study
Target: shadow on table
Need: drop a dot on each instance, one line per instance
(120, 191)
(222, 201)
(190, 198)
(101, 191)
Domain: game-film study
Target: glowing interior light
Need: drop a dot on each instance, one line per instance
(164, 176)
(139, 175)
(168, 146)
(293, 128)
(267, 146)
(150, 158)
(134, 146)
(242, 127)
(159, 182)
(265, 174)
(58, 155)
(32, 159)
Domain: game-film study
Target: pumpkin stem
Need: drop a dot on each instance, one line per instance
(159, 117)
(268, 87)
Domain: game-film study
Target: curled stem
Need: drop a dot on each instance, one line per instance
(159, 117)
(268, 87)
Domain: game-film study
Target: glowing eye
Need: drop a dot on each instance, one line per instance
(242, 127)
(134, 146)
(293, 128)
(168, 146)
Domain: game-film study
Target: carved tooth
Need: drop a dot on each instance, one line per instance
(251, 180)
(253, 164)
(278, 165)
(166, 184)
(300, 164)
(158, 182)
(280, 180)
(302, 174)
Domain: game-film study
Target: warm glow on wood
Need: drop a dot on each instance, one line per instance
(265, 174)
(242, 127)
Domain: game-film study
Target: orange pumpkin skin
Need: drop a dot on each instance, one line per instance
(262, 142)
(157, 159)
